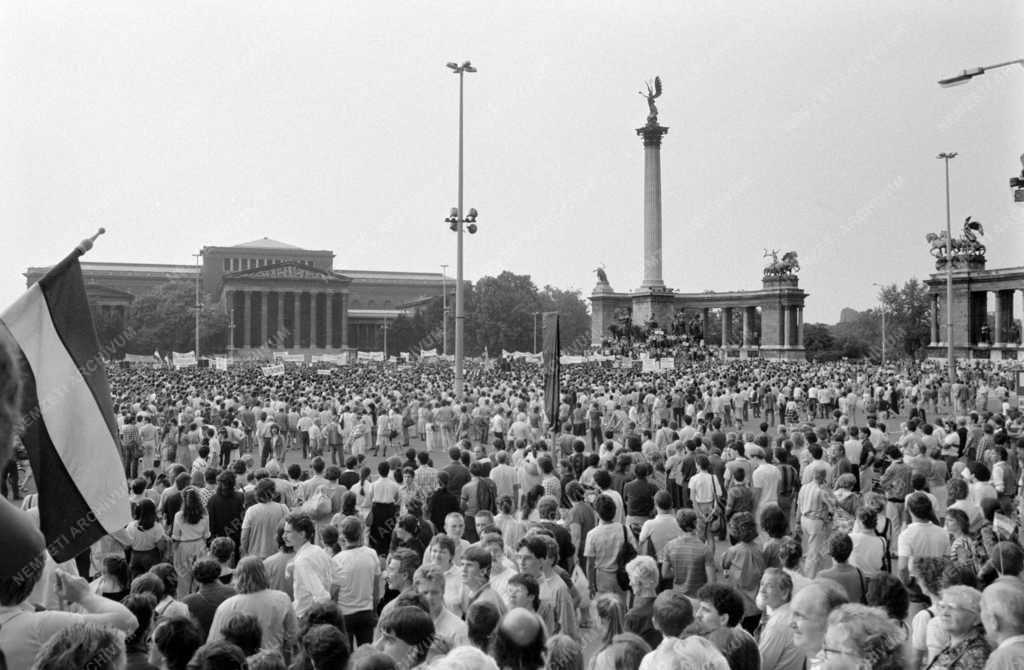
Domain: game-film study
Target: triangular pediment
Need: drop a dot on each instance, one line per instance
(286, 271)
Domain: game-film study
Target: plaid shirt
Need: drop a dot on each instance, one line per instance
(426, 480)
(130, 436)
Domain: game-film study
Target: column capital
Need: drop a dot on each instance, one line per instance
(652, 134)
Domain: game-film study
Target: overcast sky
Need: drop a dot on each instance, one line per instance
(810, 126)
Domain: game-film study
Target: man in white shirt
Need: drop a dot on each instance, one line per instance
(765, 480)
(663, 528)
(358, 570)
(673, 613)
(314, 576)
(921, 538)
(506, 478)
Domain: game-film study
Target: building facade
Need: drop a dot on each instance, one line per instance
(277, 296)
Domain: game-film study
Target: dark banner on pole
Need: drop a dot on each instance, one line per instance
(552, 369)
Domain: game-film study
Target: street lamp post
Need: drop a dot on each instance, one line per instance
(947, 156)
(460, 315)
(444, 308)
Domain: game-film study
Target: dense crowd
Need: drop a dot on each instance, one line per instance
(742, 514)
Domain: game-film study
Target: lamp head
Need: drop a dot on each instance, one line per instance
(468, 67)
(471, 228)
(453, 67)
(472, 214)
(453, 224)
(454, 212)
(961, 78)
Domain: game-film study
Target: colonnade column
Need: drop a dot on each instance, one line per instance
(704, 319)
(279, 335)
(344, 319)
(787, 326)
(800, 326)
(246, 318)
(312, 319)
(297, 323)
(746, 326)
(933, 318)
(229, 308)
(263, 319)
(328, 316)
(725, 328)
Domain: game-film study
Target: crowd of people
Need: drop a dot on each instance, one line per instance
(729, 514)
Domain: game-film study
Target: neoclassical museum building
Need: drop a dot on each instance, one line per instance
(276, 295)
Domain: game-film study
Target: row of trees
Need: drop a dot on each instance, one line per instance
(907, 331)
(500, 314)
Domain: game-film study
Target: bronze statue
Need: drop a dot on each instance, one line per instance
(966, 248)
(788, 266)
(602, 278)
(653, 92)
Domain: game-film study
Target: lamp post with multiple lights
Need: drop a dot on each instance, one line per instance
(458, 222)
(948, 156)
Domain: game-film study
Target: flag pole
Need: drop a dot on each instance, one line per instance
(83, 246)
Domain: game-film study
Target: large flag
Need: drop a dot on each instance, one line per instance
(68, 425)
(552, 369)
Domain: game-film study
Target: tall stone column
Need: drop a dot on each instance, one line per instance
(312, 319)
(329, 318)
(652, 134)
(279, 334)
(246, 319)
(297, 323)
(263, 319)
(229, 308)
(787, 321)
(800, 326)
(344, 320)
(725, 327)
(746, 326)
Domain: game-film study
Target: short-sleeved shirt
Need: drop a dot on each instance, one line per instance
(24, 631)
(922, 539)
(357, 570)
(603, 544)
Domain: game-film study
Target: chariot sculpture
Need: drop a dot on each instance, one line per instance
(787, 266)
(963, 249)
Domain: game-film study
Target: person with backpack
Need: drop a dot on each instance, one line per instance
(607, 548)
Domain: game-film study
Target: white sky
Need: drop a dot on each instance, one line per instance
(334, 125)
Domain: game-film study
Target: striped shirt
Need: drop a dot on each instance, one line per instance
(686, 559)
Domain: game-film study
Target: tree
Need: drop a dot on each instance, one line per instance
(110, 332)
(573, 318)
(503, 312)
(164, 320)
(906, 318)
(818, 342)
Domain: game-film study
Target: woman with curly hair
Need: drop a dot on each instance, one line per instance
(190, 533)
(776, 527)
(888, 592)
(962, 549)
(863, 637)
(743, 564)
(926, 638)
